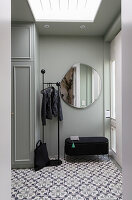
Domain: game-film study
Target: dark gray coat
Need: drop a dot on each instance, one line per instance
(55, 102)
(50, 105)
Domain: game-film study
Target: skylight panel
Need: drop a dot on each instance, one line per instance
(64, 10)
(64, 5)
(82, 4)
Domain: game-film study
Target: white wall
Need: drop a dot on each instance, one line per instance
(115, 52)
(127, 97)
(5, 100)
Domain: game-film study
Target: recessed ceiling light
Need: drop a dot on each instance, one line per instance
(82, 27)
(65, 10)
(46, 26)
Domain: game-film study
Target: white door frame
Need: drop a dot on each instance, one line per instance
(5, 99)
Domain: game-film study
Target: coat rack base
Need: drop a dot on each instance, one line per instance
(55, 162)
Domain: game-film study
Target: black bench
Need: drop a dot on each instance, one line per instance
(87, 146)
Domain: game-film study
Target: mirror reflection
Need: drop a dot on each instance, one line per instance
(81, 86)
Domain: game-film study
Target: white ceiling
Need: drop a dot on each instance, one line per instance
(106, 15)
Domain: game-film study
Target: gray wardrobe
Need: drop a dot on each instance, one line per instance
(25, 94)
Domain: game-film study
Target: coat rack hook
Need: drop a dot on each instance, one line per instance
(58, 83)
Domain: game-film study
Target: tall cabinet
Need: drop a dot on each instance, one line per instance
(25, 94)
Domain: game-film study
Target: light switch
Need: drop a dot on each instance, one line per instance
(107, 113)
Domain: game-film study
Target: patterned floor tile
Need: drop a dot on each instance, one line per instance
(75, 179)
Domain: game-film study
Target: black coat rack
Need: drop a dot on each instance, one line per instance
(58, 161)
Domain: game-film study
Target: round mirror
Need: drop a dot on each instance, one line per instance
(81, 86)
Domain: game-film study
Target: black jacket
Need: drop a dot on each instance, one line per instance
(50, 105)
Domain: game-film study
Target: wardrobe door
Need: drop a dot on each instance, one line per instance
(22, 42)
(22, 114)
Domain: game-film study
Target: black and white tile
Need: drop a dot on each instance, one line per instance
(75, 179)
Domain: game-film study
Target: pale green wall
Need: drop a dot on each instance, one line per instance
(113, 30)
(106, 88)
(57, 55)
(37, 85)
(116, 54)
